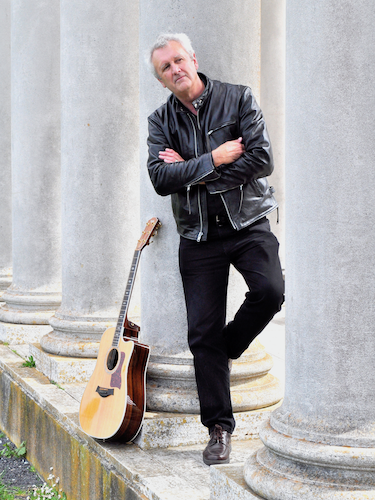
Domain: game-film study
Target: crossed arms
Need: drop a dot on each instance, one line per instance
(227, 153)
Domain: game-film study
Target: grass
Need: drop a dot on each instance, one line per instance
(9, 452)
(29, 363)
(46, 492)
(10, 492)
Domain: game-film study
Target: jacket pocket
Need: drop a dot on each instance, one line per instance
(225, 132)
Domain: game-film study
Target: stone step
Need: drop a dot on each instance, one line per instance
(227, 481)
(45, 415)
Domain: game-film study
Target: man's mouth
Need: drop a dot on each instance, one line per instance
(179, 78)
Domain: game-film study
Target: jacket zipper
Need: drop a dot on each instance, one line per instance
(221, 126)
(195, 136)
(227, 210)
(200, 234)
(188, 197)
(241, 199)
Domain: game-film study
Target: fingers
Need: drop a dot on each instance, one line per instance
(170, 156)
(228, 152)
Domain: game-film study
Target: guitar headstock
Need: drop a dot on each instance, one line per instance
(149, 231)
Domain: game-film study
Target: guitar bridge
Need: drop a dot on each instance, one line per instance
(104, 393)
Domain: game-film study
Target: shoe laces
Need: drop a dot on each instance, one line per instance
(217, 433)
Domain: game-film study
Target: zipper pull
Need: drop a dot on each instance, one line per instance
(188, 197)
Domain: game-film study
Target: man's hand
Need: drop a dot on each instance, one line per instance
(170, 156)
(228, 152)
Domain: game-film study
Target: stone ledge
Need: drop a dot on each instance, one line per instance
(62, 369)
(160, 429)
(33, 409)
(228, 483)
(22, 334)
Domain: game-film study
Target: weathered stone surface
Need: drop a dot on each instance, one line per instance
(228, 483)
(35, 292)
(46, 416)
(12, 333)
(321, 441)
(5, 150)
(100, 164)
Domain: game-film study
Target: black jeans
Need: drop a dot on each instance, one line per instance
(204, 269)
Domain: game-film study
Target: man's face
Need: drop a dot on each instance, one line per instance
(177, 71)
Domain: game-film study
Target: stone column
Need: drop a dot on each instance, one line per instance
(100, 169)
(320, 444)
(5, 152)
(272, 102)
(222, 55)
(36, 289)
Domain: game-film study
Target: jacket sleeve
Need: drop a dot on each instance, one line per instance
(257, 160)
(168, 178)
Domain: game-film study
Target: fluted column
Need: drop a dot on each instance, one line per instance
(36, 289)
(222, 55)
(272, 102)
(5, 152)
(100, 169)
(320, 444)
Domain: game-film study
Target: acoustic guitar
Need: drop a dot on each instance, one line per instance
(114, 401)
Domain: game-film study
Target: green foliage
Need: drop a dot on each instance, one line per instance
(8, 492)
(8, 451)
(29, 363)
(46, 492)
(57, 385)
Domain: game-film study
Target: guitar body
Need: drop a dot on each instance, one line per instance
(114, 400)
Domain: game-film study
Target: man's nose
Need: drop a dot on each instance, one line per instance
(175, 68)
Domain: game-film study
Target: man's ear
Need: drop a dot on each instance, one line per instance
(195, 61)
(161, 81)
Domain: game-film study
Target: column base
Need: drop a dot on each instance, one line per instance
(164, 430)
(171, 383)
(76, 336)
(29, 307)
(288, 468)
(5, 281)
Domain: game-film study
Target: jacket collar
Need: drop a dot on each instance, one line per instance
(197, 103)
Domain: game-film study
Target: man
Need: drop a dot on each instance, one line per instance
(209, 149)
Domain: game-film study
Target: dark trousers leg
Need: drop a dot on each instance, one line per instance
(256, 258)
(204, 268)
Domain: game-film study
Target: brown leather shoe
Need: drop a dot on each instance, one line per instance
(218, 449)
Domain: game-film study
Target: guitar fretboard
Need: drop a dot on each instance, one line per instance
(126, 299)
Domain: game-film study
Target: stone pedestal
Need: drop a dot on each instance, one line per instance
(171, 380)
(5, 152)
(100, 168)
(320, 444)
(36, 289)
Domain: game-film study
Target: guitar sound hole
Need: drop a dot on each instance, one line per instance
(112, 359)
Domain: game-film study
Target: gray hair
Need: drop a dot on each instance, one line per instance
(163, 40)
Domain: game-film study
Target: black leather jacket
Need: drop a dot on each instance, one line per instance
(224, 112)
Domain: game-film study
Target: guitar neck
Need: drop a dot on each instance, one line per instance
(125, 303)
